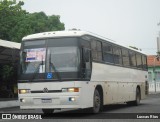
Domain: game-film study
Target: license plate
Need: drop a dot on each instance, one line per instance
(46, 100)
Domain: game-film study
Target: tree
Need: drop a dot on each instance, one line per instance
(10, 14)
(35, 23)
(16, 23)
(7, 72)
(158, 53)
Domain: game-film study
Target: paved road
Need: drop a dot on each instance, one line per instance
(149, 106)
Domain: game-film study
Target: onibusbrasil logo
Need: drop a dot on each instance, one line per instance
(20, 116)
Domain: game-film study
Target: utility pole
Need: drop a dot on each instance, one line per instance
(156, 57)
(158, 41)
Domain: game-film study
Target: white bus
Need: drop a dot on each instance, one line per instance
(78, 69)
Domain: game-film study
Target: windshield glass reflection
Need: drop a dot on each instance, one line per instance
(64, 59)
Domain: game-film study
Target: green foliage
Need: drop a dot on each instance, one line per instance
(10, 13)
(16, 23)
(158, 53)
(7, 72)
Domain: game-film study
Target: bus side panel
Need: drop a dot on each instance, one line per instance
(87, 92)
(120, 82)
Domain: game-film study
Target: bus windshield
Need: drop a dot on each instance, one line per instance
(64, 59)
(57, 56)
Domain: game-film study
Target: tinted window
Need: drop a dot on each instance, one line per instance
(94, 55)
(34, 44)
(93, 45)
(99, 56)
(62, 42)
(85, 43)
(99, 46)
(107, 53)
(139, 60)
(132, 58)
(117, 55)
(125, 57)
(62, 59)
(144, 61)
(96, 50)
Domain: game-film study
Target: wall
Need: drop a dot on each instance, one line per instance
(154, 79)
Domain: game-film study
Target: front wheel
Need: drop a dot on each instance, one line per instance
(97, 102)
(48, 111)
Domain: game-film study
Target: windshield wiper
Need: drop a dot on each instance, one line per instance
(53, 67)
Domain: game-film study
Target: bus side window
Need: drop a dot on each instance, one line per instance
(139, 60)
(96, 47)
(107, 53)
(132, 58)
(86, 63)
(144, 60)
(117, 55)
(125, 57)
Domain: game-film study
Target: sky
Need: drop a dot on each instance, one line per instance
(128, 22)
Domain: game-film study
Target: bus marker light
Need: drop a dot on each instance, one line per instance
(73, 90)
(70, 90)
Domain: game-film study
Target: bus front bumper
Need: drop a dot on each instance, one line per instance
(56, 102)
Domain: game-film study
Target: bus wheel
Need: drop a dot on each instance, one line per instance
(96, 102)
(138, 97)
(48, 111)
(136, 102)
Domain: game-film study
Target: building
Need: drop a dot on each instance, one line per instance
(153, 73)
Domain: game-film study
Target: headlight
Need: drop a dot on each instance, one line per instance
(70, 90)
(24, 91)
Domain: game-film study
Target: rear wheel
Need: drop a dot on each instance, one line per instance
(48, 111)
(138, 97)
(136, 102)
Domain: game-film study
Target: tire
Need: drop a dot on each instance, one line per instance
(48, 111)
(136, 102)
(97, 102)
(138, 97)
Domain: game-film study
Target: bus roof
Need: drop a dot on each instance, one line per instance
(55, 34)
(71, 33)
